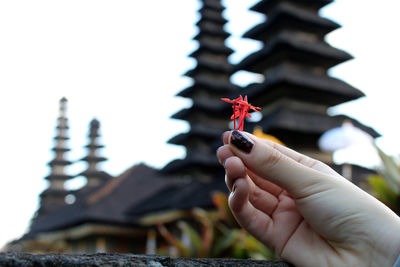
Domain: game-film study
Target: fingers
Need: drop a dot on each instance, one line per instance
(259, 198)
(291, 171)
(234, 169)
(224, 152)
(264, 184)
(253, 220)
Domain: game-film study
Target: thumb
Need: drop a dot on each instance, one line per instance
(268, 162)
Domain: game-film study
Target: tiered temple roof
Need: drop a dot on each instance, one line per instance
(93, 174)
(208, 114)
(54, 196)
(295, 58)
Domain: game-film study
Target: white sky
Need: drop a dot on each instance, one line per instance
(122, 62)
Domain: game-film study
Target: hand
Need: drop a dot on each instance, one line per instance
(304, 210)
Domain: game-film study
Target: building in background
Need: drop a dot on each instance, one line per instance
(120, 214)
(208, 115)
(53, 198)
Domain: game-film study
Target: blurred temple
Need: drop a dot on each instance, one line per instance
(120, 214)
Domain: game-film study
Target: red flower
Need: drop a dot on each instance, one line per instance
(241, 110)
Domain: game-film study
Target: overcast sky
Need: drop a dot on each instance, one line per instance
(122, 62)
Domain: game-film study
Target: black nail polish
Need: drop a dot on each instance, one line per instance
(241, 141)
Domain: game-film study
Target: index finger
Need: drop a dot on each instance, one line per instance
(265, 160)
(296, 156)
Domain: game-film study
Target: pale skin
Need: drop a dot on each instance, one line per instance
(305, 211)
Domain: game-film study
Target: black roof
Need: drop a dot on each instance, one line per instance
(223, 89)
(60, 137)
(213, 4)
(108, 202)
(202, 131)
(286, 81)
(194, 159)
(181, 197)
(93, 159)
(100, 174)
(207, 45)
(205, 30)
(212, 15)
(205, 64)
(61, 149)
(206, 84)
(58, 177)
(125, 199)
(266, 6)
(290, 48)
(54, 192)
(61, 162)
(288, 16)
(215, 17)
(213, 106)
(303, 127)
(94, 146)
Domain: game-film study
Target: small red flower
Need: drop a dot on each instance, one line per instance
(241, 110)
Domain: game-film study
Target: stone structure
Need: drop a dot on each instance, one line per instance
(28, 260)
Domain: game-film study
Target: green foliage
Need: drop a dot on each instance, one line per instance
(390, 171)
(386, 186)
(215, 235)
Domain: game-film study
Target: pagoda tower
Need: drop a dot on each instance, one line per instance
(54, 196)
(208, 115)
(93, 175)
(294, 60)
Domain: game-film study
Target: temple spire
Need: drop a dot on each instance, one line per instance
(207, 116)
(54, 196)
(93, 174)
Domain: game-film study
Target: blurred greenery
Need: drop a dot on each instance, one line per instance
(213, 235)
(386, 185)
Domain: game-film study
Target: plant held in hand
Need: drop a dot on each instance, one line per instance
(241, 110)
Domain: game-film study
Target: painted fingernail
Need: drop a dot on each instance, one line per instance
(241, 141)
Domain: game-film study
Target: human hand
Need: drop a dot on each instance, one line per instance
(304, 210)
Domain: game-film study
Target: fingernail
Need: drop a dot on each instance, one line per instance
(216, 153)
(223, 164)
(223, 136)
(241, 141)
